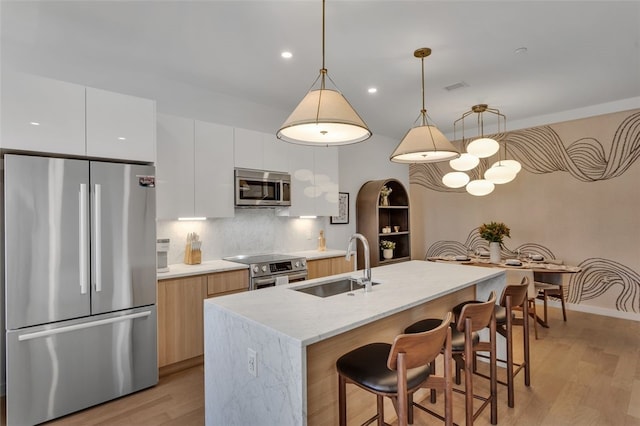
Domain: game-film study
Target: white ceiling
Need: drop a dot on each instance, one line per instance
(579, 54)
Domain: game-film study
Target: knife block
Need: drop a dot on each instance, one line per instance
(192, 256)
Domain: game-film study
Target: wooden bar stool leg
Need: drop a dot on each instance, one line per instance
(342, 400)
(380, 404)
(510, 378)
(494, 371)
(525, 338)
(468, 373)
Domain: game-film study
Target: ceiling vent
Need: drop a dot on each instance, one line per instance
(455, 86)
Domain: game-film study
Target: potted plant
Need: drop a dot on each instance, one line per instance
(387, 248)
(494, 232)
(384, 195)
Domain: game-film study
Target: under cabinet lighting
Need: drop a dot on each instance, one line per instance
(192, 218)
(308, 217)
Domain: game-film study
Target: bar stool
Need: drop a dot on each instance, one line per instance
(397, 371)
(514, 297)
(465, 342)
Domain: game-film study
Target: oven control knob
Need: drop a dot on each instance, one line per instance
(264, 268)
(297, 264)
(304, 262)
(255, 268)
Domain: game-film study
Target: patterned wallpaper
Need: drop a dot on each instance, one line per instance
(577, 199)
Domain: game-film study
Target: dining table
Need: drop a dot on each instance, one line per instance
(549, 271)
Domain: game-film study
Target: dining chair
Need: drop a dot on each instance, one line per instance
(397, 371)
(550, 287)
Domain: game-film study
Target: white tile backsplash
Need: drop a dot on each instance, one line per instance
(251, 231)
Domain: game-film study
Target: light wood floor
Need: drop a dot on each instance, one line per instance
(584, 372)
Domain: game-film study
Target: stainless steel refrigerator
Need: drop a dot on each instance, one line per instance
(80, 284)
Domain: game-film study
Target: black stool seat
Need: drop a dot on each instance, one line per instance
(457, 338)
(367, 365)
(501, 312)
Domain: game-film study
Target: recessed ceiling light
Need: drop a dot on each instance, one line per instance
(286, 55)
(372, 90)
(122, 138)
(520, 51)
(34, 123)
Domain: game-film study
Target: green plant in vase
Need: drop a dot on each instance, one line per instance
(494, 232)
(387, 248)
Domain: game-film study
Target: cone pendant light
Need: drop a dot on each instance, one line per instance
(424, 143)
(324, 117)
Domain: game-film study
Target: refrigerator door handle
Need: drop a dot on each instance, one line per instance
(82, 202)
(53, 331)
(98, 236)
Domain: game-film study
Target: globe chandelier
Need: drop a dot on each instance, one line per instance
(501, 172)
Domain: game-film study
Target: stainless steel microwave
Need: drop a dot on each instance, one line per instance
(262, 188)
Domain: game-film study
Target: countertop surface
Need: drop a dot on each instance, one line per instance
(309, 319)
(212, 266)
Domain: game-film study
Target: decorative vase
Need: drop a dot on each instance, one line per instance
(494, 252)
(384, 200)
(387, 253)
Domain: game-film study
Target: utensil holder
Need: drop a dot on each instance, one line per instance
(192, 256)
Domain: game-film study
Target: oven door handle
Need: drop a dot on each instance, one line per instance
(298, 277)
(263, 281)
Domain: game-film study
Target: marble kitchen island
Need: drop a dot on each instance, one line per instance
(296, 338)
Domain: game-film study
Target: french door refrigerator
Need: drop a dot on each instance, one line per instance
(80, 284)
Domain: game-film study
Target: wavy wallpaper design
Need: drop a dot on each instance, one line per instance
(598, 276)
(541, 150)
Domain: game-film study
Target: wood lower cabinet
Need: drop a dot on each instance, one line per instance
(318, 268)
(180, 319)
(181, 315)
(227, 282)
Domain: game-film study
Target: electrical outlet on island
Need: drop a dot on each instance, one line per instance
(252, 362)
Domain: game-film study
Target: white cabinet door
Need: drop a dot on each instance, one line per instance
(213, 170)
(248, 149)
(276, 153)
(325, 160)
(303, 191)
(43, 115)
(174, 168)
(120, 126)
(314, 180)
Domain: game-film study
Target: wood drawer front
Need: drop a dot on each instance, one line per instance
(229, 281)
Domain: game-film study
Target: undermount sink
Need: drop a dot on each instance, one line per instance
(331, 288)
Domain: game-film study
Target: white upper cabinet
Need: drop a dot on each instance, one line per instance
(194, 171)
(174, 168)
(49, 116)
(275, 153)
(325, 160)
(42, 115)
(248, 149)
(120, 126)
(213, 170)
(260, 151)
(314, 180)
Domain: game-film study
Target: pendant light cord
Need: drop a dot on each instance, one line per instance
(423, 111)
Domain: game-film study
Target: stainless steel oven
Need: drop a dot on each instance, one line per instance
(260, 188)
(268, 270)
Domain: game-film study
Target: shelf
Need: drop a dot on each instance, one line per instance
(394, 260)
(393, 207)
(372, 218)
(393, 233)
